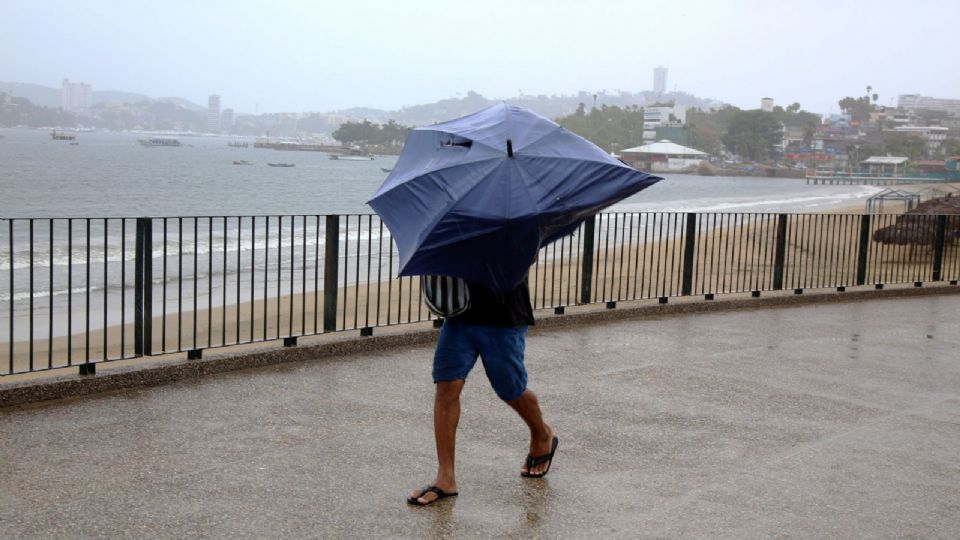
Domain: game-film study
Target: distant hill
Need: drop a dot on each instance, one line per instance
(50, 97)
(115, 96)
(185, 103)
(38, 95)
(554, 106)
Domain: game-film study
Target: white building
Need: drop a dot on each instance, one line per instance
(933, 135)
(659, 79)
(663, 155)
(916, 102)
(226, 120)
(75, 97)
(766, 104)
(654, 117)
(213, 113)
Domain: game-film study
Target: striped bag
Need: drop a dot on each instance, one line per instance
(445, 296)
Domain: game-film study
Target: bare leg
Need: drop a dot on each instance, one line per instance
(446, 416)
(541, 434)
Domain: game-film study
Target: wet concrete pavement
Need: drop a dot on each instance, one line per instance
(838, 420)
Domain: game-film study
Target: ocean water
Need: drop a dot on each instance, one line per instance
(110, 175)
(89, 263)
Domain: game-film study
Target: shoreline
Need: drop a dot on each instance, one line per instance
(621, 272)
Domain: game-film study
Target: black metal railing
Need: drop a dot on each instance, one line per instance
(80, 291)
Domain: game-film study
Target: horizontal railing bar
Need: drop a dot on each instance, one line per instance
(226, 280)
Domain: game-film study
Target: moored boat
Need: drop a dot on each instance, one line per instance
(282, 164)
(242, 162)
(159, 141)
(353, 154)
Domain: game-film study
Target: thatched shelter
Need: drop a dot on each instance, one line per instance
(918, 227)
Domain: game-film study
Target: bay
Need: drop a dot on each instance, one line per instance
(110, 175)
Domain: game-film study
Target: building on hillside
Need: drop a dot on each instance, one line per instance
(659, 80)
(766, 104)
(916, 102)
(663, 156)
(226, 120)
(213, 113)
(675, 133)
(840, 121)
(934, 135)
(75, 97)
(657, 117)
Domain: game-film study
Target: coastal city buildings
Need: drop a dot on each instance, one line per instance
(766, 104)
(213, 113)
(933, 135)
(916, 102)
(655, 119)
(75, 97)
(660, 80)
(226, 120)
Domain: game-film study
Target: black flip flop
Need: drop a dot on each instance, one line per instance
(533, 461)
(441, 494)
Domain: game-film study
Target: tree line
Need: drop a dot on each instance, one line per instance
(750, 134)
(367, 133)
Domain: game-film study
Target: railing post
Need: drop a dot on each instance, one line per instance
(938, 247)
(330, 275)
(780, 254)
(586, 264)
(863, 249)
(143, 289)
(689, 248)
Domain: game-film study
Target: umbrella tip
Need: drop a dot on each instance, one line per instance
(509, 148)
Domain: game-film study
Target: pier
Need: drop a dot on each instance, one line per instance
(869, 180)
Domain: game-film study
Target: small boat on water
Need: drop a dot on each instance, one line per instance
(74, 143)
(345, 157)
(61, 136)
(238, 144)
(354, 154)
(242, 162)
(159, 141)
(384, 169)
(282, 164)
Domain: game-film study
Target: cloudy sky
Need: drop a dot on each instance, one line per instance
(286, 55)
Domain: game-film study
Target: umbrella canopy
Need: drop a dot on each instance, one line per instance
(478, 196)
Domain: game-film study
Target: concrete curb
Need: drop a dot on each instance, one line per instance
(69, 386)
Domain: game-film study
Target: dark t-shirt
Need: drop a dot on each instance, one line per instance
(488, 309)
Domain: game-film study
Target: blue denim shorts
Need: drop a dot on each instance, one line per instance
(500, 349)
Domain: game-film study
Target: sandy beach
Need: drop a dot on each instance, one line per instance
(636, 256)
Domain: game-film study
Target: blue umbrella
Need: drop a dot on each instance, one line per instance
(478, 196)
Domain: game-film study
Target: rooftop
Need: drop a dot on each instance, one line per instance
(885, 160)
(667, 147)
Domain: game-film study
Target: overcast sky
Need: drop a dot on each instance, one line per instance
(285, 55)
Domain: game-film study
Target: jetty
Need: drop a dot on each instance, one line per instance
(891, 171)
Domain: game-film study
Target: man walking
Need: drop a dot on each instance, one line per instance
(493, 328)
